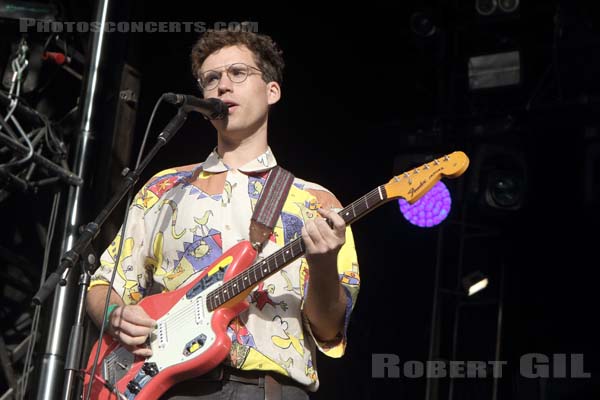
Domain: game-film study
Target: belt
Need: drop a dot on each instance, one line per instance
(270, 382)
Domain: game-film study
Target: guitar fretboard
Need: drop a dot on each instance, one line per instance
(288, 253)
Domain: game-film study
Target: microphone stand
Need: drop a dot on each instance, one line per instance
(89, 233)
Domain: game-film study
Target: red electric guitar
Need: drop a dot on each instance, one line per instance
(191, 338)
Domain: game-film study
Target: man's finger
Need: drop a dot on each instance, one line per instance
(136, 315)
(314, 232)
(142, 351)
(132, 329)
(130, 340)
(333, 219)
(308, 242)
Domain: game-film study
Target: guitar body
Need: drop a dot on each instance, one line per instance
(189, 341)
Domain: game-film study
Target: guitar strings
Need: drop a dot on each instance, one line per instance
(237, 280)
(230, 285)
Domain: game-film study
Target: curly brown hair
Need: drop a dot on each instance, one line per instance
(268, 56)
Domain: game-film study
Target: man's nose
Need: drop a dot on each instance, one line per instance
(225, 84)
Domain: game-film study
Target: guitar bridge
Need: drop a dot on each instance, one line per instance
(117, 364)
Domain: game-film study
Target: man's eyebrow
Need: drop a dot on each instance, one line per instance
(221, 66)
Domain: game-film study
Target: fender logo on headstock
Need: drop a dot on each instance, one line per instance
(414, 190)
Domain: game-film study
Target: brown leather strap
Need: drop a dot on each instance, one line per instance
(264, 218)
(259, 234)
(269, 205)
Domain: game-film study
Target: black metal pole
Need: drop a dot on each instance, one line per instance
(73, 360)
(431, 384)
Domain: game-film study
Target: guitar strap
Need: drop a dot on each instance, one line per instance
(265, 215)
(269, 205)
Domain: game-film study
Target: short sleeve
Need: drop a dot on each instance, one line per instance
(133, 279)
(349, 276)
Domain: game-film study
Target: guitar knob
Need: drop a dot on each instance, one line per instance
(150, 369)
(134, 387)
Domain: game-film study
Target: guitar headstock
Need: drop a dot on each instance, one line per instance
(413, 184)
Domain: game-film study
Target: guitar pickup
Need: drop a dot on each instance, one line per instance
(199, 309)
(162, 334)
(194, 345)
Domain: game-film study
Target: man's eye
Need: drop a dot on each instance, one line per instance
(237, 71)
(210, 78)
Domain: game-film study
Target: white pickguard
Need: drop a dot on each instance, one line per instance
(186, 321)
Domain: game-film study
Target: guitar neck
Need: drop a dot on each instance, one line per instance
(364, 205)
(290, 252)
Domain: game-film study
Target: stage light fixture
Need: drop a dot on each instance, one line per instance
(505, 189)
(475, 282)
(499, 179)
(422, 24)
(494, 70)
(431, 209)
(508, 6)
(486, 7)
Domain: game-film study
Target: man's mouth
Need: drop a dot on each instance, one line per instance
(230, 104)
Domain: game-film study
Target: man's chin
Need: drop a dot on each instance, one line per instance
(235, 127)
(226, 125)
(234, 130)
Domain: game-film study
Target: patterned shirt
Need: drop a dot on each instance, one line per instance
(184, 218)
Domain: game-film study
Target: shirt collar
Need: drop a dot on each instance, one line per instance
(214, 163)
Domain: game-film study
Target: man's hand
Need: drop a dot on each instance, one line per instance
(131, 326)
(323, 242)
(325, 302)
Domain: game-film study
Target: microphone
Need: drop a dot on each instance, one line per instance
(211, 108)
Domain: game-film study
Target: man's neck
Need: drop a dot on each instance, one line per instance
(236, 153)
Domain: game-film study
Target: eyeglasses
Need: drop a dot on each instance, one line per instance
(237, 73)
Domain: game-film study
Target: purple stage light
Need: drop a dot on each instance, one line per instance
(429, 210)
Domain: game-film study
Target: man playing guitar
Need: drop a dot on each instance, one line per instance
(185, 218)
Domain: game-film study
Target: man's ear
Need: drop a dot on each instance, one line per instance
(273, 92)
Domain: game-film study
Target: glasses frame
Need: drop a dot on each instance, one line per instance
(227, 69)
